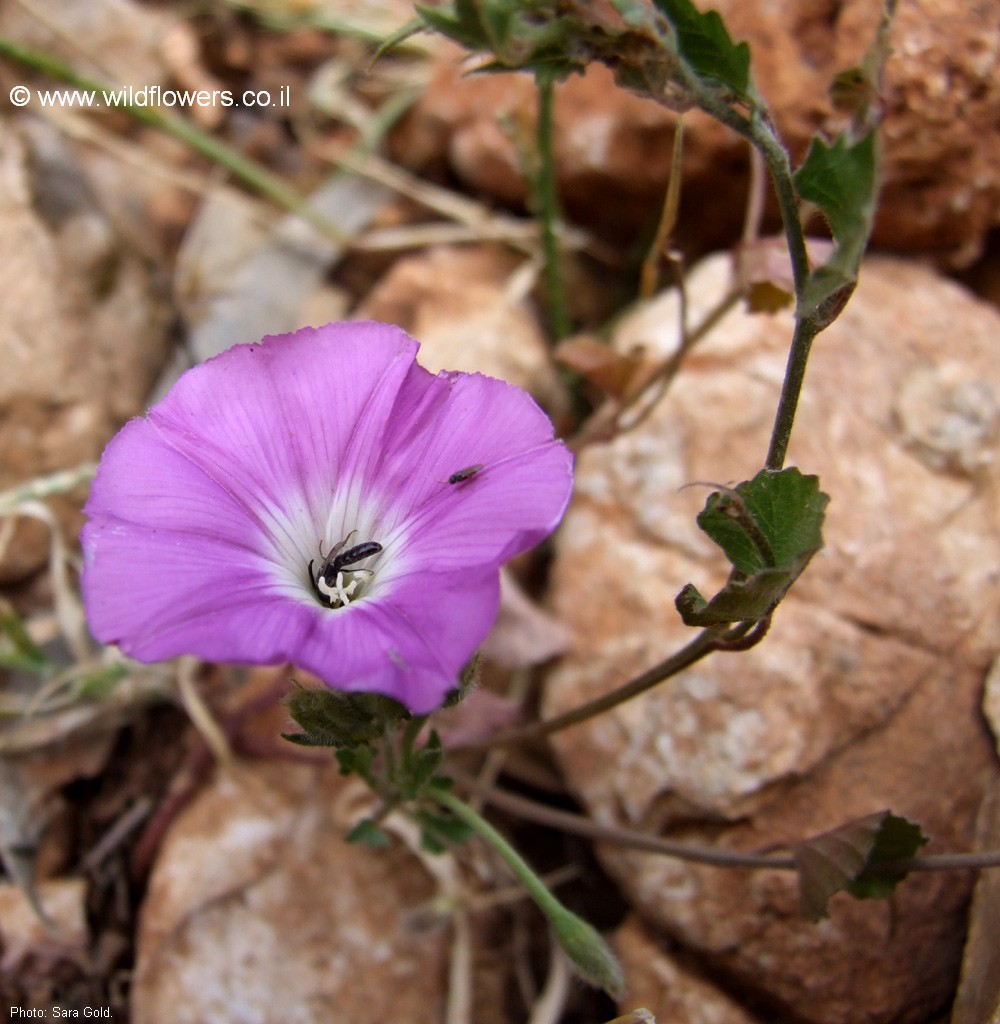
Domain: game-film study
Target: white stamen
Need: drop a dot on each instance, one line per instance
(338, 593)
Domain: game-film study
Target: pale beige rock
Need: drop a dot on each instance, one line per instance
(941, 168)
(467, 307)
(32, 947)
(978, 999)
(866, 693)
(657, 981)
(81, 332)
(258, 911)
(115, 41)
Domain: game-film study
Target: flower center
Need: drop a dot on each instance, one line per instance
(340, 593)
(339, 579)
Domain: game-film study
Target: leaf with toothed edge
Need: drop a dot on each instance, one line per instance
(706, 45)
(769, 527)
(842, 180)
(857, 858)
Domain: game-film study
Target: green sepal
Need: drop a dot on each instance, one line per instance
(588, 952)
(330, 718)
(468, 680)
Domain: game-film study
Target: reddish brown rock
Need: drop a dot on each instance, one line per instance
(467, 305)
(866, 693)
(941, 172)
(657, 981)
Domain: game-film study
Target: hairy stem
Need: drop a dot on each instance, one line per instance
(757, 129)
(791, 387)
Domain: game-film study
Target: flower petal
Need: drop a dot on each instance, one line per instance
(273, 421)
(454, 421)
(411, 645)
(186, 543)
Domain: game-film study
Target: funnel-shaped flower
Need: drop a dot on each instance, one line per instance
(321, 499)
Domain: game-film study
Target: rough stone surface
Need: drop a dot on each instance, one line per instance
(123, 36)
(941, 171)
(866, 693)
(30, 949)
(81, 333)
(978, 996)
(657, 981)
(467, 306)
(258, 911)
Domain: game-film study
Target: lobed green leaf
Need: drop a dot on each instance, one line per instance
(842, 180)
(706, 45)
(769, 527)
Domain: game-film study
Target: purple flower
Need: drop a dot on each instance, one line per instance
(290, 501)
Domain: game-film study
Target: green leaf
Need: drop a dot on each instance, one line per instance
(518, 37)
(356, 761)
(842, 180)
(367, 832)
(706, 45)
(860, 858)
(769, 527)
(423, 765)
(898, 839)
(738, 601)
(441, 830)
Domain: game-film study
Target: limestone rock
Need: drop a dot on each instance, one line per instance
(865, 694)
(81, 332)
(941, 170)
(257, 910)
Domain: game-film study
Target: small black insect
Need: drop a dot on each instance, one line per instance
(330, 568)
(336, 560)
(464, 474)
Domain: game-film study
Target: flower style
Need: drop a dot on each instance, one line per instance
(321, 499)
